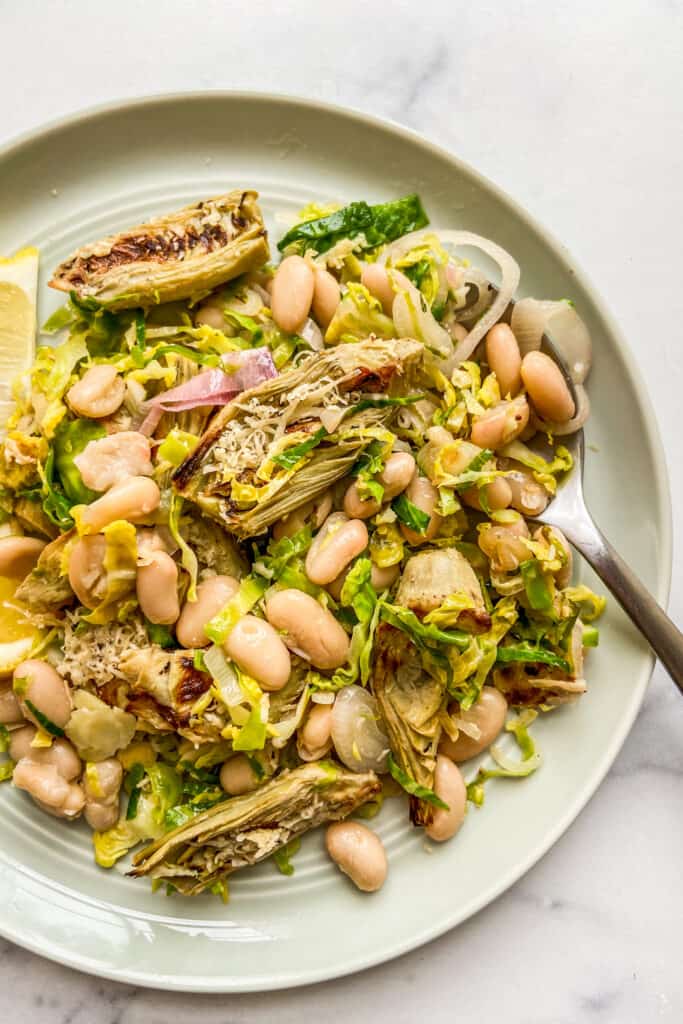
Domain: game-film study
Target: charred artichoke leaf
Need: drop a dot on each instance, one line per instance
(47, 588)
(234, 451)
(410, 699)
(521, 689)
(246, 829)
(171, 257)
(410, 702)
(540, 686)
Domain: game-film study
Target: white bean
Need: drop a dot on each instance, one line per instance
(292, 293)
(503, 356)
(87, 575)
(314, 737)
(60, 753)
(424, 496)
(18, 555)
(395, 477)
(488, 713)
(98, 393)
(359, 853)
(501, 424)
(10, 709)
(376, 280)
(101, 816)
(109, 460)
(102, 786)
(450, 786)
(49, 789)
(326, 296)
(498, 495)
(397, 474)
(157, 589)
(547, 387)
(38, 683)
(308, 628)
(503, 545)
(151, 539)
(237, 776)
(527, 495)
(132, 499)
(259, 651)
(334, 547)
(356, 507)
(212, 595)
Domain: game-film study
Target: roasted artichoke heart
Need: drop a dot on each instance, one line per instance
(47, 588)
(410, 700)
(287, 440)
(246, 829)
(172, 257)
(431, 577)
(164, 686)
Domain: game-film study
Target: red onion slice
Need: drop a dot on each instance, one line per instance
(244, 370)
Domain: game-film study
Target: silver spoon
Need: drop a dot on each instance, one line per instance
(569, 513)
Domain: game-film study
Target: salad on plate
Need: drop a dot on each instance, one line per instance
(268, 544)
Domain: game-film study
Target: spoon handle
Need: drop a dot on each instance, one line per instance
(655, 625)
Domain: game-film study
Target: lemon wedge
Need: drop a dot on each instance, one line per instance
(19, 637)
(18, 289)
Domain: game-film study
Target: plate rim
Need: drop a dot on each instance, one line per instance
(653, 439)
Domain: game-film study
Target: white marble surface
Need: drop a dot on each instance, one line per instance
(574, 109)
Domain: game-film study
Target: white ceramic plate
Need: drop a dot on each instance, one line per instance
(103, 170)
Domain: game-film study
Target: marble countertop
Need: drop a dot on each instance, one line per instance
(574, 109)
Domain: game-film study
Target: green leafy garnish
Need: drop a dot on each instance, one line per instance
(591, 636)
(252, 589)
(531, 653)
(282, 857)
(378, 224)
(590, 606)
(537, 590)
(508, 769)
(71, 437)
(414, 788)
(290, 457)
(43, 721)
(4, 739)
(180, 815)
(176, 446)
(203, 358)
(57, 321)
(187, 555)
(55, 503)
(6, 769)
(410, 515)
(472, 473)
(132, 786)
(252, 735)
(159, 634)
(420, 632)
